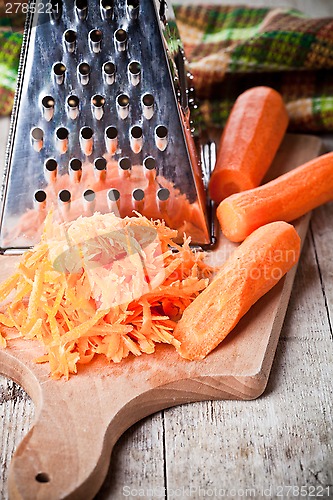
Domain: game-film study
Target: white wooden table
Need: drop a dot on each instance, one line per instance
(234, 449)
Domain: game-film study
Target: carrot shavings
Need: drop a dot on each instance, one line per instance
(101, 285)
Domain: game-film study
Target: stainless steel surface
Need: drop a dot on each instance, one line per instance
(99, 79)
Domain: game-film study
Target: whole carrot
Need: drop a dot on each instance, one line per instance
(250, 272)
(285, 198)
(250, 140)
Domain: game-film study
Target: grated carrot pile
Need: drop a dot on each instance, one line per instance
(100, 285)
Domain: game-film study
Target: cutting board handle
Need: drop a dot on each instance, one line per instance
(67, 451)
(64, 455)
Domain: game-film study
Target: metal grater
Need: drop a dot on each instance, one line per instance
(101, 121)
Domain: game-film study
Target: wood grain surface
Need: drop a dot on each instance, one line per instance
(79, 421)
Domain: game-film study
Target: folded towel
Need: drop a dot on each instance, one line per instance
(11, 28)
(232, 48)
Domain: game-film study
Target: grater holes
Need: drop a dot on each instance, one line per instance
(37, 134)
(132, 9)
(86, 140)
(111, 139)
(134, 72)
(123, 106)
(40, 196)
(113, 194)
(163, 194)
(84, 69)
(111, 133)
(75, 164)
(62, 133)
(113, 199)
(95, 36)
(109, 72)
(120, 35)
(95, 40)
(48, 107)
(148, 105)
(161, 132)
(138, 196)
(84, 73)
(161, 137)
(37, 138)
(51, 165)
(75, 169)
(73, 106)
(120, 38)
(136, 132)
(64, 196)
(48, 102)
(100, 168)
(87, 133)
(106, 7)
(89, 195)
(81, 9)
(50, 170)
(70, 36)
(125, 163)
(62, 139)
(89, 199)
(97, 105)
(73, 101)
(109, 68)
(70, 40)
(149, 165)
(59, 70)
(136, 139)
(125, 166)
(100, 163)
(123, 100)
(40, 199)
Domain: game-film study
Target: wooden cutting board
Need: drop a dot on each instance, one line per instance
(66, 453)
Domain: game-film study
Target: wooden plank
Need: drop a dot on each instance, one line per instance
(322, 234)
(137, 461)
(16, 415)
(283, 438)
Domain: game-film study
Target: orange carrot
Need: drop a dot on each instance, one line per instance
(249, 142)
(251, 271)
(285, 198)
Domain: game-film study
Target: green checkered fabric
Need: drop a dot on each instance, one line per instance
(232, 48)
(10, 47)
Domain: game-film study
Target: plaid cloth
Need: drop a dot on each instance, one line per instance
(10, 47)
(232, 48)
